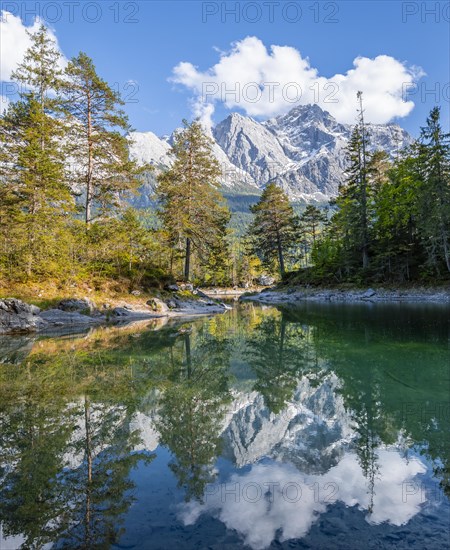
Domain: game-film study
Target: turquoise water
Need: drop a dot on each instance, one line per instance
(320, 426)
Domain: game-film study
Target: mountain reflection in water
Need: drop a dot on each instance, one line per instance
(251, 428)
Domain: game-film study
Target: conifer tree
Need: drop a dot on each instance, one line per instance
(353, 199)
(35, 194)
(396, 250)
(192, 208)
(274, 229)
(40, 73)
(311, 221)
(97, 129)
(433, 162)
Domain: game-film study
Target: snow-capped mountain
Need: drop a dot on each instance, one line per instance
(312, 432)
(317, 142)
(302, 151)
(251, 147)
(148, 148)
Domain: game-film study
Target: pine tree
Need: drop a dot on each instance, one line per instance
(311, 221)
(40, 73)
(192, 208)
(274, 229)
(394, 186)
(433, 163)
(35, 194)
(353, 199)
(97, 130)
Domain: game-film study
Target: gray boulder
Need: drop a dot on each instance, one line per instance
(81, 305)
(128, 314)
(59, 318)
(369, 293)
(201, 294)
(173, 288)
(120, 312)
(17, 316)
(266, 280)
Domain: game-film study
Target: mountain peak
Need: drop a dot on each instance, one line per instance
(237, 119)
(301, 150)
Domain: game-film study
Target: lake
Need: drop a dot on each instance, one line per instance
(321, 426)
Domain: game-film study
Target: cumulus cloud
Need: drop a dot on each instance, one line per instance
(277, 498)
(14, 42)
(266, 83)
(203, 111)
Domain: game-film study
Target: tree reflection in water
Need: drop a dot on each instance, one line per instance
(67, 405)
(192, 411)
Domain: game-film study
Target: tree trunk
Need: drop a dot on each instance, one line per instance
(365, 257)
(87, 425)
(187, 261)
(31, 239)
(90, 165)
(280, 256)
(187, 346)
(282, 338)
(446, 251)
(363, 182)
(88, 454)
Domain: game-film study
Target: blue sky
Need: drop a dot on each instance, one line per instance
(138, 44)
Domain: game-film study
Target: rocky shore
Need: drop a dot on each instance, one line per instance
(298, 294)
(18, 317)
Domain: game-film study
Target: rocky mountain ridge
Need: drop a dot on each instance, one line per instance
(302, 151)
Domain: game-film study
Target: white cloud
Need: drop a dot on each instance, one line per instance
(267, 83)
(203, 111)
(14, 42)
(298, 499)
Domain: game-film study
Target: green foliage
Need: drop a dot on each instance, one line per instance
(64, 155)
(312, 221)
(432, 156)
(41, 236)
(192, 411)
(34, 195)
(394, 216)
(274, 230)
(353, 202)
(98, 149)
(193, 211)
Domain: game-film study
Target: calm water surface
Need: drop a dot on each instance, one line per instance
(323, 426)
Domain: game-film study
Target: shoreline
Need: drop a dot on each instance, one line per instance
(220, 292)
(295, 295)
(21, 318)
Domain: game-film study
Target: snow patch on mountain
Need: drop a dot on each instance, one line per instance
(147, 148)
(303, 151)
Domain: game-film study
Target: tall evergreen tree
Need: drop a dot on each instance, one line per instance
(35, 191)
(433, 162)
(274, 229)
(353, 199)
(311, 221)
(192, 208)
(97, 128)
(395, 248)
(40, 74)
